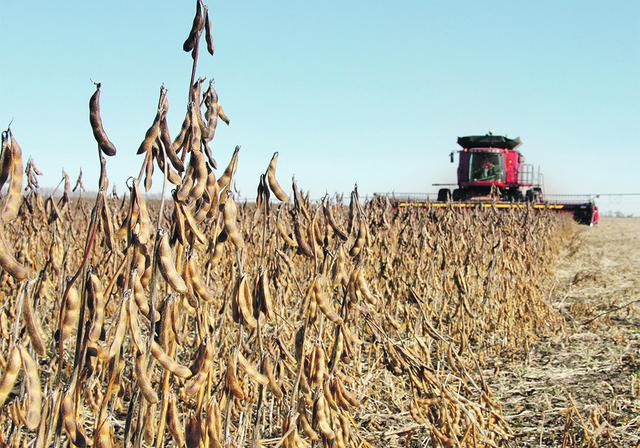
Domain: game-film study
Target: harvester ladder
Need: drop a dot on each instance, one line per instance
(526, 174)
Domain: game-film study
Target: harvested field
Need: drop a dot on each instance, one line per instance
(585, 380)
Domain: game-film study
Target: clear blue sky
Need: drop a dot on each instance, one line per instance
(366, 91)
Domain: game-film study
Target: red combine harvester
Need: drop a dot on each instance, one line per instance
(492, 174)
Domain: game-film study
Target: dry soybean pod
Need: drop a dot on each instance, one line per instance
(149, 425)
(303, 245)
(201, 369)
(198, 127)
(192, 224)
(182, 192)
(174, 423)
(70, 315)
(284, 234)
(121, 327)
(134, 326)
(307, 429)
(212, 191)
(180, 229)
(267, 368)
(204, 355)
(168, 267)
(69, 421)
(251, 370)
(14, 194)
(107, 223)
(226, 177)
(96, 293)
(196, 28)
(196, 281)
(348, 396)
(143, 380)
(339, 400)
(339, 442)
(299, 202)
(172, 175)
(193, 430)
(320, 371)
(232, 382)
(95, 119)
(273, 182)
(34, 329)
(144, 228)
(321, 411)
(139, 294)
(5, 159)
(223, 116)
(344, 423)
(210, 100)
(168, 145)
(360, 239)
(218, 249)
(168, 362)
(208, 33)
(149, 168)
(34, 390)
(182, 135)
(324, 303)
(200, 175)
(214, 423)
(12, 369)
(363, 287)
(150, 136)
(264, 294)
(230, 214)
(332, 222)
(311, 236)
(245, 303)
(339, 272)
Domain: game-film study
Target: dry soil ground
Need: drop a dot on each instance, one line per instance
(582, 388)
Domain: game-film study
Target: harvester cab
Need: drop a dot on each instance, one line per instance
(489, 167)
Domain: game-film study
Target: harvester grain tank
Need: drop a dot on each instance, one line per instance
(492, 173)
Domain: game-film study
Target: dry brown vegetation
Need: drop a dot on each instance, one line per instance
(377, 336)
(204, 321)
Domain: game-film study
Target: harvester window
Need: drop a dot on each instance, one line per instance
(485, 166)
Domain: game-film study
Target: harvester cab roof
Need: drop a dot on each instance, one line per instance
(489, 141)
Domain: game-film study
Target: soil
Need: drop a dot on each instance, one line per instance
(582, 387)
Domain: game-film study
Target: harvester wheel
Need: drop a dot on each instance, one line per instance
(516, 196)
(532, 195)
(444, 195)
(458, 195)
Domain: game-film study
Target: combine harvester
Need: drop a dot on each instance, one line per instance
(492, 174)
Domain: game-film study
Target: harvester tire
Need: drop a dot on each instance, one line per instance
(516, 196)
(444, 195)
(532, 196)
